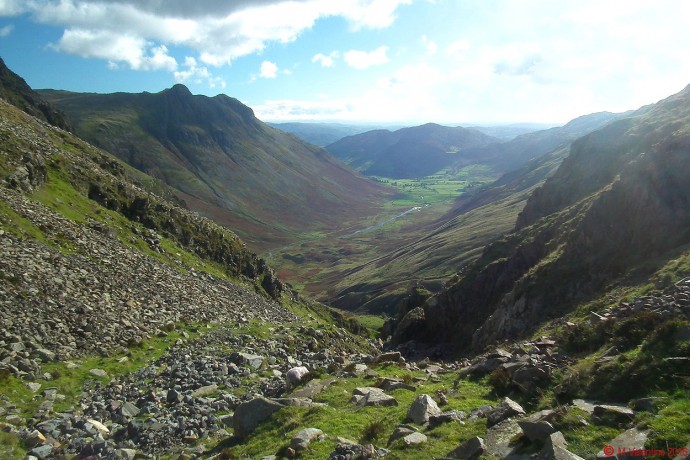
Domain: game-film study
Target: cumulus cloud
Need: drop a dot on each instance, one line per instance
(365, 59)
(268, 70)
(194, 73)
(326, 60)
(218, 30)
(134, 51)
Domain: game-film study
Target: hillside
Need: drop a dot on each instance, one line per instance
(223, 162)
(612, 215)
(408, 152)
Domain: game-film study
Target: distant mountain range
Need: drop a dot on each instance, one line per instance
(425, 150)
(322, 134)
(224, 163)
(409, 152)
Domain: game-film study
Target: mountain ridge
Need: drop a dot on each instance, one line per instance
(223, 161)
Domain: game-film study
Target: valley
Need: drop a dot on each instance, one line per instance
(523, 297)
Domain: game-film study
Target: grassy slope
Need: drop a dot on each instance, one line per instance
(265, 184)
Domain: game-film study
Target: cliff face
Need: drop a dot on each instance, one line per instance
(617, 207)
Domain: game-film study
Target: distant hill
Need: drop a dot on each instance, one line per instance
(321, 134)
(409, 152)
(224, 162)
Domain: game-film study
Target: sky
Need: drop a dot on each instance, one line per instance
(382, 61)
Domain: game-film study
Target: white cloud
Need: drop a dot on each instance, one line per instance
(5, 31)
(195, 73)
(326, 60)
(134, 51)
(268, 70)
(220, 31)
(363, 59)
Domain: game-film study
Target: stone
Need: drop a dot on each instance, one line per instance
(304, 437)
(35, 438)
(400, 432)
(414, 439)
(422, 408)
(249, 415)
(469, 450)
(528, 378)
(173, 396)
(447, 417)
(14, 419)
(125, 454)
(536, 431)
(98, 373)
(46, 355)
(249, 359)
(391, 357)
(583, 405)
(129, 410)
(42, 451)
(507, 408)
(99, 426)
(388, 384)
(204, 391)
(312, 388)
(628, 441)
(294, 376)
(33, 386)
(613, 414)
(377, 399)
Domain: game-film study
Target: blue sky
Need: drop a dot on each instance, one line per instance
(385, 61)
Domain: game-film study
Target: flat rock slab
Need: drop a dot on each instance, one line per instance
(469, 450)
(584, 405)
(536, 431)
(375, 399)
(498, 439)
(624, 445)
(414, 439)
(305, 437)
(312, 388)
(249, 415)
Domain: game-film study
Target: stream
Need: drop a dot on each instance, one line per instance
(385, 222)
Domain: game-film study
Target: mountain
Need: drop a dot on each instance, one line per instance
(425, 255)
(408, 152)
(17, 92)
(614, 214)
(223, 162)
(320, 134)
